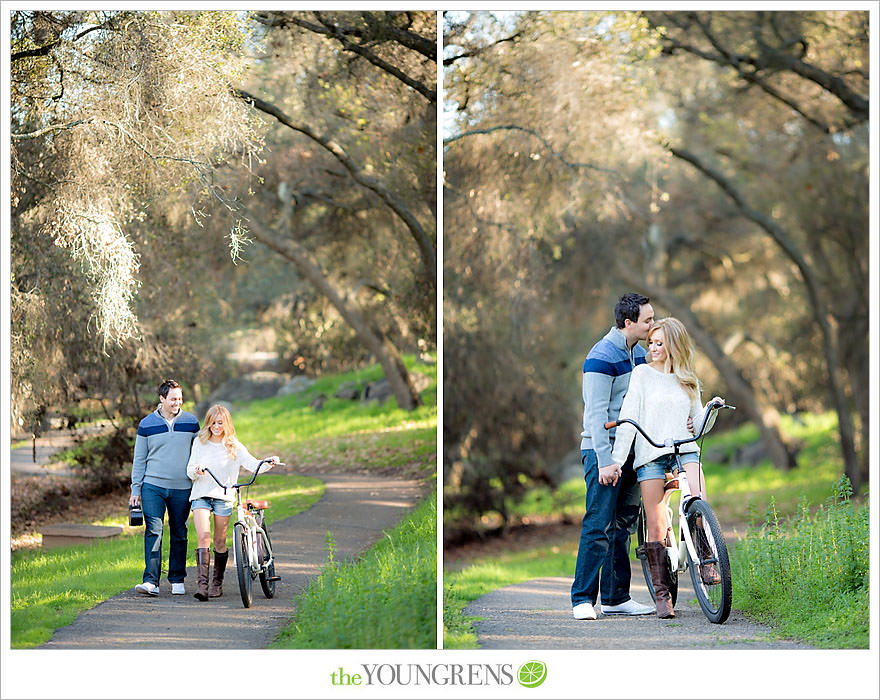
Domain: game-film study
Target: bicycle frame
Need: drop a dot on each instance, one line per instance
(254, 531)
(678, 551)
(247, 517)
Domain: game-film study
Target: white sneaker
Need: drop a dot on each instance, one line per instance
(630, 607)
(147, 588)
(177, 589)
(584, 611)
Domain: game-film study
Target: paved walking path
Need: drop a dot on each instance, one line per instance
(355, 508)
(536, 614)
(21, 459)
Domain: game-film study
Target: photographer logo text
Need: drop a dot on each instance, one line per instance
(529, 675)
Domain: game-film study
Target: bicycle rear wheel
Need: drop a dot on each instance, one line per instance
(642, 535)
(242, 564)
(716, 596)
(267, 572)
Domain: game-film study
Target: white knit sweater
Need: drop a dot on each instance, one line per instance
(657, 402)
(214, 456)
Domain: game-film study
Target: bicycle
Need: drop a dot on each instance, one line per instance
(252, 548)
(697, 523)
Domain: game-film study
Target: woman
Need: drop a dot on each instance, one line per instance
(662, 395)
(220, 451)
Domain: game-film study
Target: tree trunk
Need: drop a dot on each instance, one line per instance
(383, 350)
(763, 415)
(824, 319)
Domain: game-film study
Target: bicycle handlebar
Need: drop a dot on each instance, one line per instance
(238, 486)
(713, 406)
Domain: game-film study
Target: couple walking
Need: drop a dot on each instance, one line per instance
(660, 391)
(171, 455)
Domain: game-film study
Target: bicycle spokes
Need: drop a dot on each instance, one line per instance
(710, 570)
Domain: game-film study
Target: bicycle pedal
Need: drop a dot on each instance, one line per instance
(273, 578)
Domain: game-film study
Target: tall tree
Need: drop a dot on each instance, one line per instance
(383, 83)
(560, 188)
(813, 67)
(124, 120)
(113, 115)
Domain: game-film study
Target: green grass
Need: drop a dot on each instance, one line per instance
(49, 588)
(735, 492)
(387, 599)
(484, 576)
(807, 575)
(346, 432)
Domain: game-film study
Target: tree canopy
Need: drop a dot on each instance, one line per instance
(715, 161)
(142, 152)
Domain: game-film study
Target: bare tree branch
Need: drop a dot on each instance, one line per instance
(54, 127)
(44, 50)
(426, 248)
(477, 50)
(819, 308)
(328, 28)
(513, 127)
(771, 59)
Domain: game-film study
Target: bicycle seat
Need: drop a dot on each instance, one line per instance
(671, 482)
(257, 505)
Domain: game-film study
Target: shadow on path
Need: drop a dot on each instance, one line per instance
(355, 508)
(536, 614)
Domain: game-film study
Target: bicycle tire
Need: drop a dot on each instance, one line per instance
(242, 564)
(267, 572)
(715, 599)
(642, 537)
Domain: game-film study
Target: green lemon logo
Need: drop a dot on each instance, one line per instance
(532, 673)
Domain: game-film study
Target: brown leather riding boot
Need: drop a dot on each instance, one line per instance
(220, 559)
(203, 561)
(655, 552)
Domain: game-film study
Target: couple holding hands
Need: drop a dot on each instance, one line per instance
(659, 390)
(171, 455)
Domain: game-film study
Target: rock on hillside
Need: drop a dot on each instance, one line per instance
(247, 387)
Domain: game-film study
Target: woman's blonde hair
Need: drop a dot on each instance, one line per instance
(228, 438)
(679, 353)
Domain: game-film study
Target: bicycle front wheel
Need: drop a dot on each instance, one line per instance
(711, 574)
(242, 564)
(267, 572)
(672, 576)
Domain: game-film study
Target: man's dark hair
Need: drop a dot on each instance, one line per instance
(628, 307)
(167, 386)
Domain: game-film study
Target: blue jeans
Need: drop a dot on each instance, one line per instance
(155, 500)
(610, 519)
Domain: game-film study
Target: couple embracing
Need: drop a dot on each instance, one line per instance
(660, 391)
(171, 456)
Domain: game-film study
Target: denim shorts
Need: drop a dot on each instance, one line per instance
(657, 468)
(216, 505)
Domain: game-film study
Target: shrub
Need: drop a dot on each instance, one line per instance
(105, 462)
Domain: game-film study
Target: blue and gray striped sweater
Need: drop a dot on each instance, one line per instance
(606, 376)
(161, 451)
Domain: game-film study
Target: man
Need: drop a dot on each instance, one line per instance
(159, 483)
(612, 500)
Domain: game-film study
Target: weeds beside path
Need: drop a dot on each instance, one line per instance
(355, 508)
